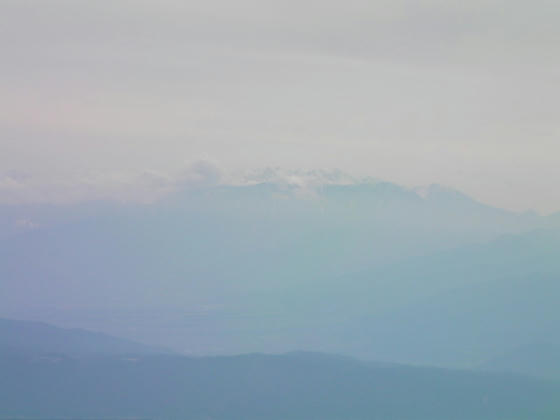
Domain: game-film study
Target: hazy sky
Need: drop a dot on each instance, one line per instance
(462, 93)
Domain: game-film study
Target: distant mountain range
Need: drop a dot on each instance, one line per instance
(372, 270)
(34, 384)
(537, 358)
(457, 308)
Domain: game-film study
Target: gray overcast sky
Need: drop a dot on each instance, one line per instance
(429, 91)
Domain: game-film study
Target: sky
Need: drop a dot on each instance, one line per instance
(99, 96)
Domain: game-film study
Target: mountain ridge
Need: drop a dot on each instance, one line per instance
(36, 337)
(256, 386)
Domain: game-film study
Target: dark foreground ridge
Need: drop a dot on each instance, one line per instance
(291, 386)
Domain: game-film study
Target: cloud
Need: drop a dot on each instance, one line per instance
(149, 186)
(300, 178)
(25, 224)
(141, 187)
(15, 189)
(201, 173)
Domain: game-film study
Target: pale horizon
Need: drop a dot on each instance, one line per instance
(411, 92)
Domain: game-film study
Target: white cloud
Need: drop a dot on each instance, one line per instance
(201, 173)
(149, 186)
(25, 224)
